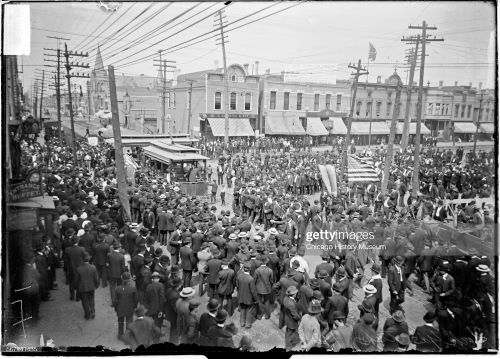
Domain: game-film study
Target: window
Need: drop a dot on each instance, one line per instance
(462, 113)
(416, 109)
(377, 108)
(299, 101)
(167, 99)
(447, 109)
(286, 101)
(316, 102)
(248, 101)
(457, 108)
(368, 109)
(233, 78)
(218, 101)
(480, 118)
(339, 102)
(173, 99)
(232, 102)
(328, 99)
(358, 107)
(388, 112)
(438, 109)
(469, 108)
(272, 101)
(487, 114)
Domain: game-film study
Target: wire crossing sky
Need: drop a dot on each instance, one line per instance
(277, 34)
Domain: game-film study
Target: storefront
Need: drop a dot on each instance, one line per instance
(369, 133)
(464, 131)
(283, 124)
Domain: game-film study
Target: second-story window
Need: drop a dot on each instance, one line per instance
(358, 107)
(232, 102)
(457, 108)
(316, 102)
(299, 101)
(286, 101)
(377, 108)
(339, 102)
(388, 111)
(248, 101)
(328, 100)
(218, 101)
(469, 108)
(272, 101)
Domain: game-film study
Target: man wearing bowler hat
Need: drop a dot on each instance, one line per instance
(376, 281)
(87, 281)
(427, 338)
(396, 281)
(154, 299)
(187, 262)
(292, 318)
(207, 320)
(141, 331)
(125, 302)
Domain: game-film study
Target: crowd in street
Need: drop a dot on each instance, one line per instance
(250, 261)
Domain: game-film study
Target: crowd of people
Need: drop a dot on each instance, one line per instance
(250, 261)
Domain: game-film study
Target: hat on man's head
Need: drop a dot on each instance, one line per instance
(340, 272)
(273, 231)
(403, 340)
(315, 308)
(398, 316)
(221, 316)
(140, 311)
(155, 275)
(430, 316)
(314, 283)
(126, 276)
(376, 268)
(187, 292)
(368, 318)
(291, 290)
(175, 269)
(366, 306)
(370, 289)
(322, 274)
(483, 268)
(213, 305)
(193, 304)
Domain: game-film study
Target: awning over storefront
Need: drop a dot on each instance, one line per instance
(283, 124)
(363, 128)
(164, 156)
(487, 128)
(413, 129)
(237, 127)
(336, 126)
(315, 127)
(464, 127)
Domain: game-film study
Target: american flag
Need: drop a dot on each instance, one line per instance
(372, 53)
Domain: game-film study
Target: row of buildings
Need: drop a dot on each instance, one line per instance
(270, 104)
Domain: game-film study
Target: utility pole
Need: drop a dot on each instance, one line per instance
(416, 156)
(58, 83)
(35, 98)
(479, 115)
(69, 66)
(343, 170)
(406, 126)
(41, 93)
(190, 131)
(162, 66)
(392, 135)
(222, 41)
(119, 161)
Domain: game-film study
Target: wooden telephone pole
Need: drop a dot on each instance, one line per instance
(121, 176)
(479, 115)
(222, 41)
(343, 170)
(162, 66)
(406, 126)
(69, 66)
(416, 156)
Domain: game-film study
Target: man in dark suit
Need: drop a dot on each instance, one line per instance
(154, 299)
(396, 281)
(291, 230)
(220, 335)
(137, 262)
(336, 303)
(172, 293)
(264, 280)
(227, 283)
(187, 262)
(376, 281)
(459, 273)
(73, 258)
(247, 295)
(125, 302)
(214, 267)
(101, 250)
(443, 285)
(207, 320)
(116, 267)
(88, 240)
(427, 338)
(324, 265)
(292, 318)
(141, 331)
(87, 281)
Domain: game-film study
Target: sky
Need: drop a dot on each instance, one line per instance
(303, 33)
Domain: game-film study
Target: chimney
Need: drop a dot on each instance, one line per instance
(216, 64)
(480, 85)
(256, 67)
(456, 83)
(245, 66)
(268, 71)
(379, 79)
(252, 68)
(441, 84)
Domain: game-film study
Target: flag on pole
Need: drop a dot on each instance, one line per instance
(372, 53)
